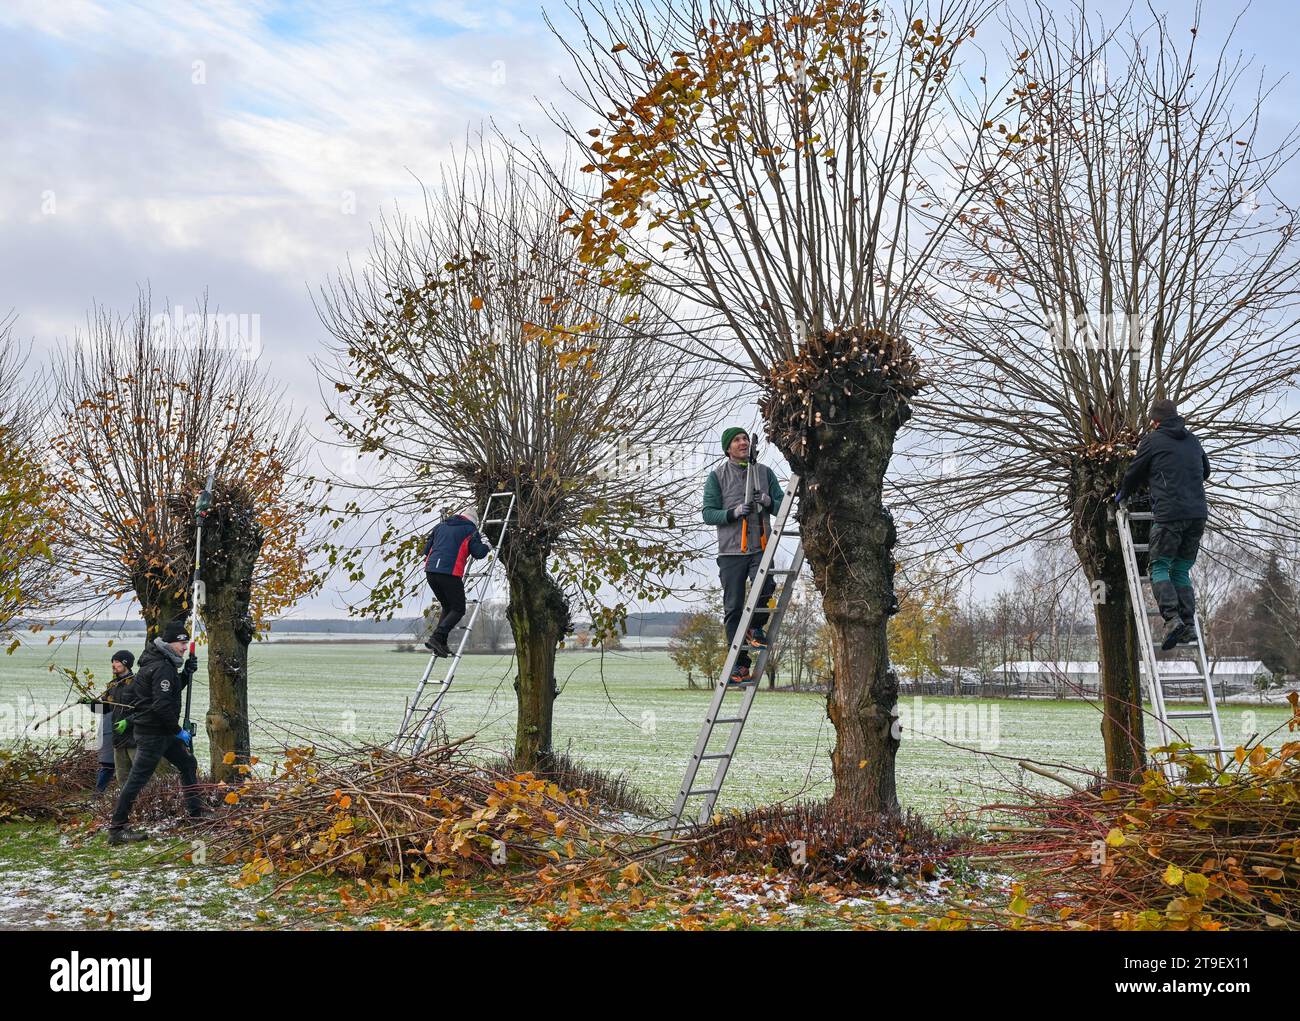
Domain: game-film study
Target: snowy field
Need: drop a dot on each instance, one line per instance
(625, 712)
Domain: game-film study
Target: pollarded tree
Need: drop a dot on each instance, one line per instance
(759, 162)
(146, 408)
(1126, 245)
(475, 355)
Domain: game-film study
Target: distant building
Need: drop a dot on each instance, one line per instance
(1230, 676)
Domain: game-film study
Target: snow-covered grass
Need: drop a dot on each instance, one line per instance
(629, 712)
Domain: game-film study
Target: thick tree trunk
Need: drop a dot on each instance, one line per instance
(848, 538)
(232, 542)
(1095, 536)
(539, 616)
(160, 604)
(834, 410)
(227, 717)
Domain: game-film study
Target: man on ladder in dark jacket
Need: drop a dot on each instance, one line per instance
(155, 718)
(740, 497)
(1171, 462)
(446, 552)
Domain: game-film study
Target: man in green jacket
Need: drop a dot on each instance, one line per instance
(740, 498)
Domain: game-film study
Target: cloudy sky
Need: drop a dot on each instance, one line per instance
(244, 148)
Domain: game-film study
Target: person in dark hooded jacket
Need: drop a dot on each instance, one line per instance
(156, 696)
(447, 551)
(1171, 463)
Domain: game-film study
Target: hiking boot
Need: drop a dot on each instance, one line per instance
(1175, 632)
(740, 677)
(757, 638)
(438, 646)
(125, 836)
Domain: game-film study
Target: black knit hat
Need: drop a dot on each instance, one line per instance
(175, 631)
(1162, 409)
(124, 656)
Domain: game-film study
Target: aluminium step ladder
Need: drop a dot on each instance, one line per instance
(417, 723)
(1169, 723)
(718, 716)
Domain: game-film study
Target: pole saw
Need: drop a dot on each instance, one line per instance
(202, 507)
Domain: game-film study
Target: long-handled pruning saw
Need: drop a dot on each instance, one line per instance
(202, 507)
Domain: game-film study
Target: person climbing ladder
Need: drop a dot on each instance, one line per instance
(740, 497)
(1171, 462)
(446, 552)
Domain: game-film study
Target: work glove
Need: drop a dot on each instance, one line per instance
(120, 727)
(191, 664)
(741, 510)
(1117, 499)
(764, 500)
(185, 736)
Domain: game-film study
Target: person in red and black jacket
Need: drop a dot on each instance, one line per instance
(446, 552)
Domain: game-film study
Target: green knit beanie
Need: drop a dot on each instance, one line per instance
(730, 434)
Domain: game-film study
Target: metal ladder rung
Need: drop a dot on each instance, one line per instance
(715, 755)
(1190, 714)
(1141, 547)
(1139, 515)
(702, 790)
(495, 521)
(729, 719)
(1213, 751)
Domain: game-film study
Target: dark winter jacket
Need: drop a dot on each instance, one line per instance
(119, 693)
(1171, 462)
(114, 706)
(451, 544)
(156, 692)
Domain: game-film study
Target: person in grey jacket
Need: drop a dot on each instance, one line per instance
(740, 497)
(1171, 463)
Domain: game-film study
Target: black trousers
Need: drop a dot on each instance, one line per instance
(150, 749)
(735, 572)
(450, 593)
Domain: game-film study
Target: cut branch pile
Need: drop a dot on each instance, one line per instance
(45, 781)
(1214, 850)
(819, 842)
(370, 815)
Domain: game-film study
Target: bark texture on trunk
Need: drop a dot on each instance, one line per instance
(834, 411)
(1095, 536)
(159, 603)
(539, 617)
(232, 542)
(848, 539)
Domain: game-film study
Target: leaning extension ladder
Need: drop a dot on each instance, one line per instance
(418, 722)
(1168, 722)
(716, 717)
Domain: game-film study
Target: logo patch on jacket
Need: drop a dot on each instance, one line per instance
(165, 685)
